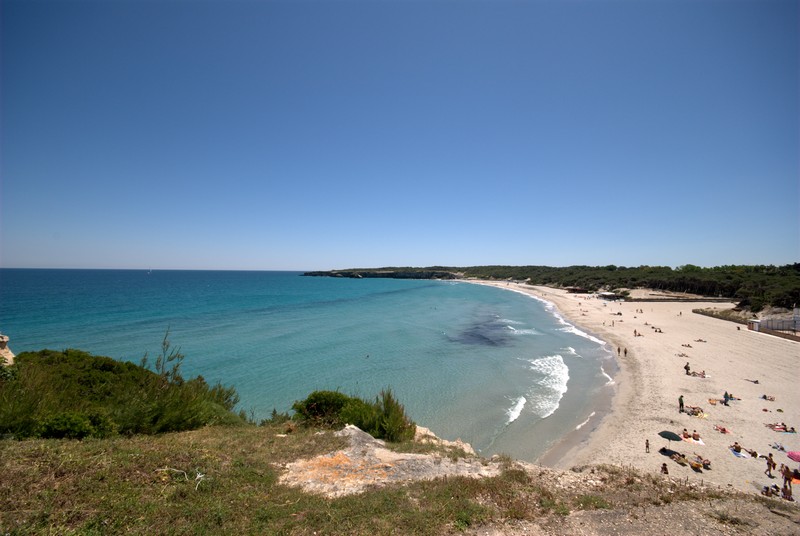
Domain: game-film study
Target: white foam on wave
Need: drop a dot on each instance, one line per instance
(581, 425)
(569, 328)
(509, 321)
(551, 308)
(604, 373)
(516, 410)
(525, 332)
(515, 331)
(551, 388)
(571, 351)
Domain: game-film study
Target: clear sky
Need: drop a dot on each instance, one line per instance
(316, 135)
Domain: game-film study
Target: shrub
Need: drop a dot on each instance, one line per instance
(75, 394)
(385, 418)
(393, 424)
(275, 418)
(361, 414)
(67, 425)
(322, 407)
(102, 424)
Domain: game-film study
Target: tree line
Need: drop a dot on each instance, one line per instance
(753, 286)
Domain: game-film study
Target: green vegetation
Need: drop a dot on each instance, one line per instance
(73, 394)
(753, 286)
(384, 418)
(225, 478)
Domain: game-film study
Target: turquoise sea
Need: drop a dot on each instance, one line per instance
(495, 368)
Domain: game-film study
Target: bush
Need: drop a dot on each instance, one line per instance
(322, 407)
(361, 414)
(67, 425)
(275, 418)
(393, 424)
(74, 394)
(103, 425)
(385, 418)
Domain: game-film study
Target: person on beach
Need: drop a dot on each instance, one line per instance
(625, 352)
(770, 466)
(786, 473)
(687, 368)
(695, 435)
(664, 469)
(680, 404)
(685, 434)
(736, 447)
(647, 450)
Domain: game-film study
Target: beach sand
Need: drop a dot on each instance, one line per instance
(652, 377)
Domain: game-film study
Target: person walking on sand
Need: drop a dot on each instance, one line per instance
(680, 404)
(770, 466)
(647, 445)
(687, 368)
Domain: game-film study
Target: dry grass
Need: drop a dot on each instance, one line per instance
(223, 480)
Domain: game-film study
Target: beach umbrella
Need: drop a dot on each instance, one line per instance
(794, 455)
(669, 435)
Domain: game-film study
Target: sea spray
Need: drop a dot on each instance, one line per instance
(515, 410)
(551, 386)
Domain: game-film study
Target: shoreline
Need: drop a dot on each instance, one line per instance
(651, 377)
(559, 454)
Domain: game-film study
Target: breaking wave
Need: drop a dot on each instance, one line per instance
(516, 410)
(604, 373)
(552, 386)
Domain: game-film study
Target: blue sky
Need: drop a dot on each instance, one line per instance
(317, 135)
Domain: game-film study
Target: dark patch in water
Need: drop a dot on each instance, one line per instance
(488, 333)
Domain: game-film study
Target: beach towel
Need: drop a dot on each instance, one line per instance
(740, 454)
(695, 441)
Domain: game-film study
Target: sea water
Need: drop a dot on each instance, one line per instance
(498, 369)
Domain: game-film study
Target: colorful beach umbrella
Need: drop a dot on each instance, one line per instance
(794, 455)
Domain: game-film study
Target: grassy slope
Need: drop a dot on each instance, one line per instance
(137, 486)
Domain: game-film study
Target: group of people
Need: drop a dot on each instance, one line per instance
(781, 427)
(694, 435)
(787, 474)
(698, 462)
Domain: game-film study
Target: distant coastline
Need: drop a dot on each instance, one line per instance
(386, 274)
(752, 287)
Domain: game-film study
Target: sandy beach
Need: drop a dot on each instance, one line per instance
(652, 377)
